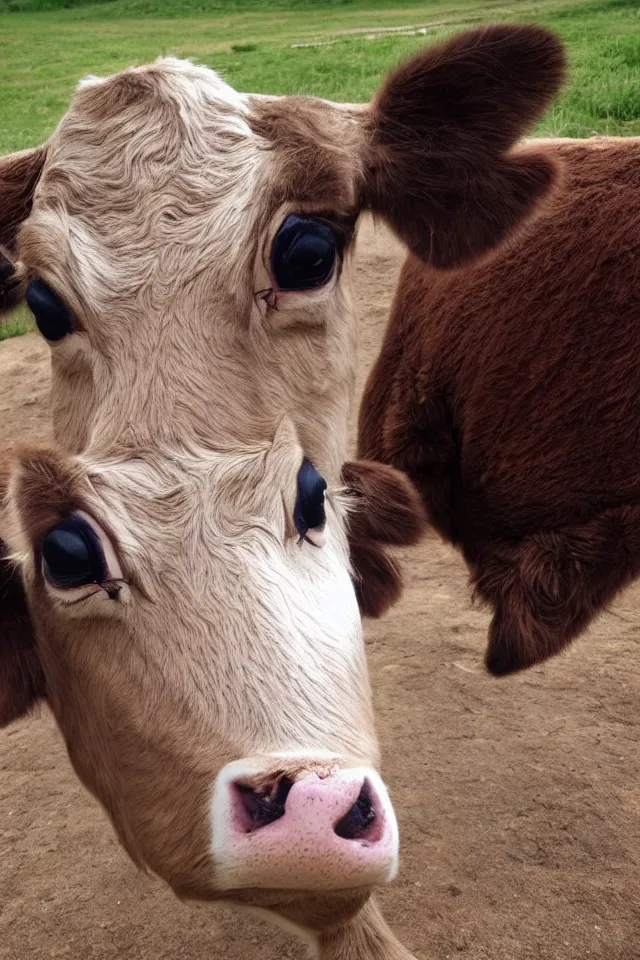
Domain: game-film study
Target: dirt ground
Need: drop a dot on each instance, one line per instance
(518, 800)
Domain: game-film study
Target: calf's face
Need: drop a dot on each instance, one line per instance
(202, 665)
(185, 251)
(206, 667)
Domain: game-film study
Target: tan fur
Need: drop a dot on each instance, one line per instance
(207, 223)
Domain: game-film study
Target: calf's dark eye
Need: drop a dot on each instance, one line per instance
(72, 555)
(309, 512)
(52, 317)
(303, 254)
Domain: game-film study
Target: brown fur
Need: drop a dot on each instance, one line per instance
(509, 392)
(11, 286)
(21, 679)
(49, 490)
(316, 160)
(378, 577)
(19, 175)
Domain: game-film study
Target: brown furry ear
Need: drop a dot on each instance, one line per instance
(437, 165)
(389, 508)
(377, 577)
(386, 511)
(12, 287)
(19, 174)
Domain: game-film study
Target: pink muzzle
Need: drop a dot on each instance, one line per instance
(335, 832)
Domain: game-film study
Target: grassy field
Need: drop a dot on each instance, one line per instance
(44, 53)
(47, 45)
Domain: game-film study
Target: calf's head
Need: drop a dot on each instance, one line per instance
(185, 250)
(190, 617)
(205, 666)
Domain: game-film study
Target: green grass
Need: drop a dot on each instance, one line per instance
(18, 323)
(46, 46)
(43, 54)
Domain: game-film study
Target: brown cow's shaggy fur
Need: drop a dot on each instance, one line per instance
(510, 393)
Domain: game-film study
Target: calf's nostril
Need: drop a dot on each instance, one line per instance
(262, 807)
(357, 824)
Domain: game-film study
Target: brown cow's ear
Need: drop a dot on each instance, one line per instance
(388, 506)
(437, 166)
(386, 510)
(377, 577)
(19, 174)
(21, 678)
(12, 284)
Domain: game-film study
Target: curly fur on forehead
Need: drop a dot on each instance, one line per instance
(152, 221)
(181, 81)
(164, 189)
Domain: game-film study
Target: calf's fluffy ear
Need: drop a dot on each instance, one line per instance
(19, 174)
(437, 165)
(21, 677)
(386, 511)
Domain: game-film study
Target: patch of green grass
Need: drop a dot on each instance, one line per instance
(169, 9)
(18, 323)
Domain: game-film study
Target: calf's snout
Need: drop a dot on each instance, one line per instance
(320, 831)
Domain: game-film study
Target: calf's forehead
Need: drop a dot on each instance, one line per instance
(171, 153)
(146, 122)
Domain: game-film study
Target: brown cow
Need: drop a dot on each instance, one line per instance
(509, 391)
(179, 589)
